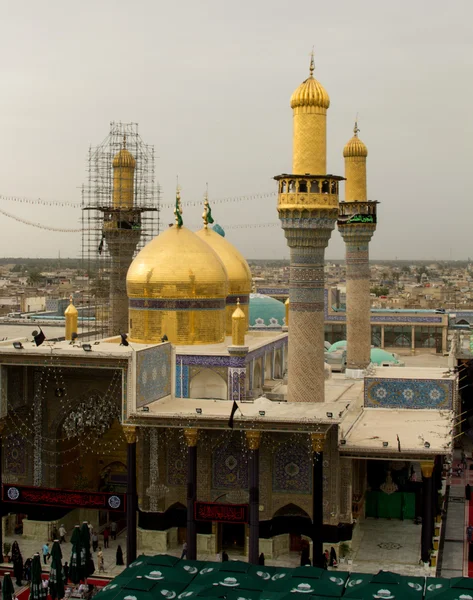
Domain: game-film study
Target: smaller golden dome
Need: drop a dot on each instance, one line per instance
(355, 147)
(238, 314)
(311, 92)
(71, 309)
(124, 159)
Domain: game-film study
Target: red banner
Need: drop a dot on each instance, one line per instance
(221, 513)
(21, 494)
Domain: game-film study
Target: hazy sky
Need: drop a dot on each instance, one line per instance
(209, 83)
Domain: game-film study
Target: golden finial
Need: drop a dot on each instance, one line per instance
(312, 63)
(207, 214)
(178, 207)
(124, 140)
(356, 129)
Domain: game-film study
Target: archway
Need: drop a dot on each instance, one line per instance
(277, 365)
(462, 322)
(208, 384)
(267, 366)
(257, 376)
(294, 521)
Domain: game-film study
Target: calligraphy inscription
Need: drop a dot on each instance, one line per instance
(66, 498)
(222, 513)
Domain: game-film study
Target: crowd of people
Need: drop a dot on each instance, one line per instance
(22, 570)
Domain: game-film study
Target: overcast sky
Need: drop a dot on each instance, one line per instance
(209, 82)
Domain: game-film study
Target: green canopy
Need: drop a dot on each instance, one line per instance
(309, 580)
(163, 560)
(159, 589)
(219, 581)
(449, 589)
(269, 573)
(191, 566)
(243, 595)
(37, 591)
(56, 573)
(8, 591)
(385, 585)
(158, 573)
(74, 564)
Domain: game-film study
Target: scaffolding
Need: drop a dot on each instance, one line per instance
(120, 215)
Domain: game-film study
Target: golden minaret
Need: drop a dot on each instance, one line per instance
(123, 178)
(71, 314)
(309, 104)
(355, 153)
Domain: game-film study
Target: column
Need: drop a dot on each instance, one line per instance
(2, 427)
(382, 337)
(358, 312)
(318, 440)
(413, 339)
(427, 509)
(131, 497)
(253, 439)
(191, 436)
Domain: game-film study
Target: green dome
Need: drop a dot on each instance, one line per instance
(379, 356)
(266, 311)
(337, 346)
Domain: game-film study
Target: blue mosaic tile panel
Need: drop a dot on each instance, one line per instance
(408, 393)
(292, 470)
(182, 381)
(153, 374)
(229, 467)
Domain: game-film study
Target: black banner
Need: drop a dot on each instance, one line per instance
(221, 513)
(21, 494)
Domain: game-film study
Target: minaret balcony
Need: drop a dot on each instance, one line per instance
(357, 213)
(308, 192)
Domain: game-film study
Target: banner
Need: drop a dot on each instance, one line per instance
(221, 513)
(21, 494)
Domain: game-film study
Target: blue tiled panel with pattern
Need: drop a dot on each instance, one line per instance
(408, 393)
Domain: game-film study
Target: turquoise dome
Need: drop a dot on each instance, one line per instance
(379, 356)
(266, 312)
(337, 346)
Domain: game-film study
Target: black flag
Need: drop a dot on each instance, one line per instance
(398, 443)
(232, 414)
(39, 337)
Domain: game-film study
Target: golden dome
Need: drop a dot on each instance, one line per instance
(355, 147)
(238, 271)
(177, 286)
(71, 309)
(123, 158)
(311, 92)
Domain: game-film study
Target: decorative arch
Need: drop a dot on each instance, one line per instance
(176, 506)
(402, 341)
(303, 504)
(463, 322)
(208, 384)
(291, 510)
(267, 365)
(257, 375)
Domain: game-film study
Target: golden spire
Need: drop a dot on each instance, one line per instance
(207, 214)
(178, 207)
(312, 63)
(124, 141)
(356, 129)
(71, 314)
(238, 326)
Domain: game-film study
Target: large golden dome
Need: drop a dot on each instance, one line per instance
(355, 147)
(239, 274)
(311, 92)
(177, 286)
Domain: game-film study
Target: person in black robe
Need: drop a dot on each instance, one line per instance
(28, 569)
(66, 572)
(333, 557)
(120, 556)
(17, 561)
(224, 556)
(261, 559)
